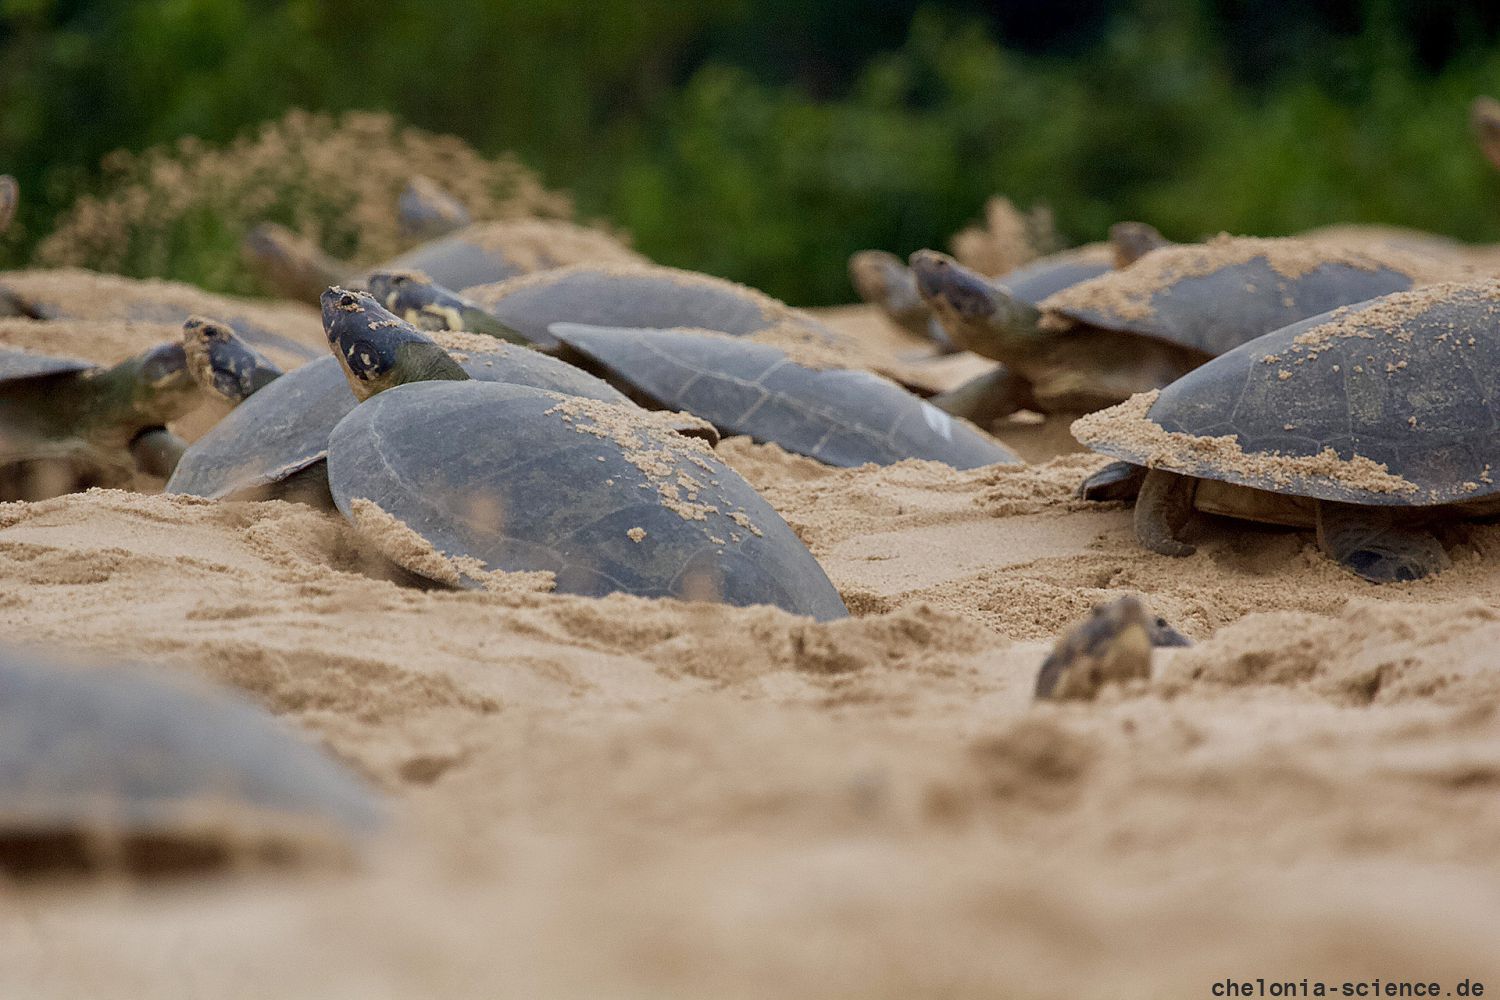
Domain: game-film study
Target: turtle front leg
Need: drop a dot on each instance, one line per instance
(1370, 542)
(988, 397)
(1116, 481)
(157, 452)
(1162, 510)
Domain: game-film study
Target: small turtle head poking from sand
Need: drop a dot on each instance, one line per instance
(1112, 645)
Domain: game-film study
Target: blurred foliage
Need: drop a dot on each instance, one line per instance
(766, 141)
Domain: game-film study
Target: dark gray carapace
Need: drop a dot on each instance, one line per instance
(512, 477)
(122, 767)
(1418, 394)
(841, 417)
(638, 297)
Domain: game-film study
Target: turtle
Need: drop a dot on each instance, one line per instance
(10, 197)
(644, 297)
(1374, 424)
(498, 476)
(478, 254)
(67, 424)
(426, 211)
(224, 367)
(285, 332)
(1113, 644)
(129, 768)
(274, 443)
(1142, 327)
(838, 416)
(884, 280)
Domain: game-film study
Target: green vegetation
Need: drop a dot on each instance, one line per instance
(724, 138)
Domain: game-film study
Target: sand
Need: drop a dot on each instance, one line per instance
(629, 798)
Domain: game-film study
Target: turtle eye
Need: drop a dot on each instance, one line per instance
(348, 301)
(1161, 623)
(365, 360)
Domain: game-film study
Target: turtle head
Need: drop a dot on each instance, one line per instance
(10, 197)
(948, 285)
(427, 305)
(1130, 241)
(1112, 644)
(403, 292)
(379, 350)
(223, 365)
(977, 314)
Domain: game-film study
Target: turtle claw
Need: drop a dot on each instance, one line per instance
(1365, 541)
(1116, 481)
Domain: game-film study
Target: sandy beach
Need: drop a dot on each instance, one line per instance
(632, 798)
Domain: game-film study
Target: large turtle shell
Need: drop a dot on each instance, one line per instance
(841, 417)
(488, 252)
(283, 429)
(642, 297)
(1212, 297)
(287, 333)
(1046, 276)
(1409, 382)
(525, 480)
(126, 765)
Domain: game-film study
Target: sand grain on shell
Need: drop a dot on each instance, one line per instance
(649, 441)
(405, 547)
(1392, 314)
(1128, 293)
(1127, 424)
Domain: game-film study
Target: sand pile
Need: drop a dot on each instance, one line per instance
(151, 216)
(649, 798)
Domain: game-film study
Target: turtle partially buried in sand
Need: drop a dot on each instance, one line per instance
(1375, 424)
(459, 478)
(67, 424)
(122, 769)
(1098, 342)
